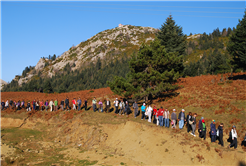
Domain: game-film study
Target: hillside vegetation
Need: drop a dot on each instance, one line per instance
(92, 63)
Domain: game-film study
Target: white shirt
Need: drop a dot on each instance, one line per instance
(7, 103)
(51, 103)
(116, 102)
(107, 102)
(149, 110)
(233, 133)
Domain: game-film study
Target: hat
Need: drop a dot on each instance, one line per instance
(183, 110)
(234, 126)
(144, 104)
(203, 121)
(116, 98)
(174, 110)
(202, 118)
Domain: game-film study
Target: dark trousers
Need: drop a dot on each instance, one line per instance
(116, 110)
(234, 143)
(188, 127)
(94, 107)
(85, 107)
(143, 115)
(221, 140)
(107, 108)
(67, 106)
(213, 138)
(203, 134)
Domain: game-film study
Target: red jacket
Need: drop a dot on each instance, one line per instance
(160, 112)
(154, 111)
(73, 101)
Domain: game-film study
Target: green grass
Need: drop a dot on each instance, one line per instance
(86, 162)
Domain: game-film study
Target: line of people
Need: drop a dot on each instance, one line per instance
(161, 117)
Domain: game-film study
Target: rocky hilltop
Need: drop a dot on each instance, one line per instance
(2, 83)
(107, 45)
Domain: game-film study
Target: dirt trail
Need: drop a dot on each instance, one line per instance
(136, 144)
(10, 122)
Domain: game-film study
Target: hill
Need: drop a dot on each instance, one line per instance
(92, 138)
(92, 63)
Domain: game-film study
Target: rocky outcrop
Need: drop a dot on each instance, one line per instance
(2, 83)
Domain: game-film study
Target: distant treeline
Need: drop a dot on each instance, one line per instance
(93, 77)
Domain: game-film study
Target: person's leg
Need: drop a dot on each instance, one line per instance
(94, 107)
(149, 118)
(142, 115)
(157, 121)
(180, 124)
(235, 142)
(167, 122)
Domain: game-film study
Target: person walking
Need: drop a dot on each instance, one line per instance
(200, 127)
(85, 104)
(203, 130)
(213, 131)
(122, 107)
(62, 105)
(41, 105)
(7, 104)
(18, 105)
(94, 104)
(160, 116)
(67, 104)
(74, 104)
(135, 107)
(34, 104)
(3, 105)
(193, 125)
(143, 107)
(149, 112)
(174, 118)
(56, 105)
(220, 128)
(155, 115)
(166, 116)
(28, 106)
(188, 118)
(116, 104)
(127, 109)
(23, 104)
(234, 137)
(11, 104)
(79, 104)
(37, 105)
(181, 119)
(46, 104)
(51, 105)
(108, 105)
(100, 104)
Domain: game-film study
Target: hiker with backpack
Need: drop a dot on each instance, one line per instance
(34, 104)
(62, 105)
(213, 131)
(46, 104)
(127, 109)
(100, 104)
(188, 118)
(94, 104)
(3, 105)
(11, 104)
(41, 105)
(7, 104)
(74, 104)
(234, 137)
(149, 112)
(155, 115)
(23, 104)
(55, 105)
(160, 116)
(85, 104)
(51, 105)
(37, 105)
(122, 107)
(220, 128)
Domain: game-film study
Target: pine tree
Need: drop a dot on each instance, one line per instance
(152, 72)
(237, 45)
(48, 87)
(172, 37)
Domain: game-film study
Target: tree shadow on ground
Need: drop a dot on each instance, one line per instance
(238, 77)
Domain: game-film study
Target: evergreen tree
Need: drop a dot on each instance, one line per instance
(152, 72)
(48, 87)
(237, 45)
(172, 37)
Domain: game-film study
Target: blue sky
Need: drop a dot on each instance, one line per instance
(31, 30)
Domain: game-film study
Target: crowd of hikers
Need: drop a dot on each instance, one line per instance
(161, 117)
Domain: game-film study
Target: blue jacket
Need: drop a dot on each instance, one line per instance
(213, 128)
(220, 130)
(143, 108)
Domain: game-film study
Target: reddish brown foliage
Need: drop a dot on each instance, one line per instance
(200, 157)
